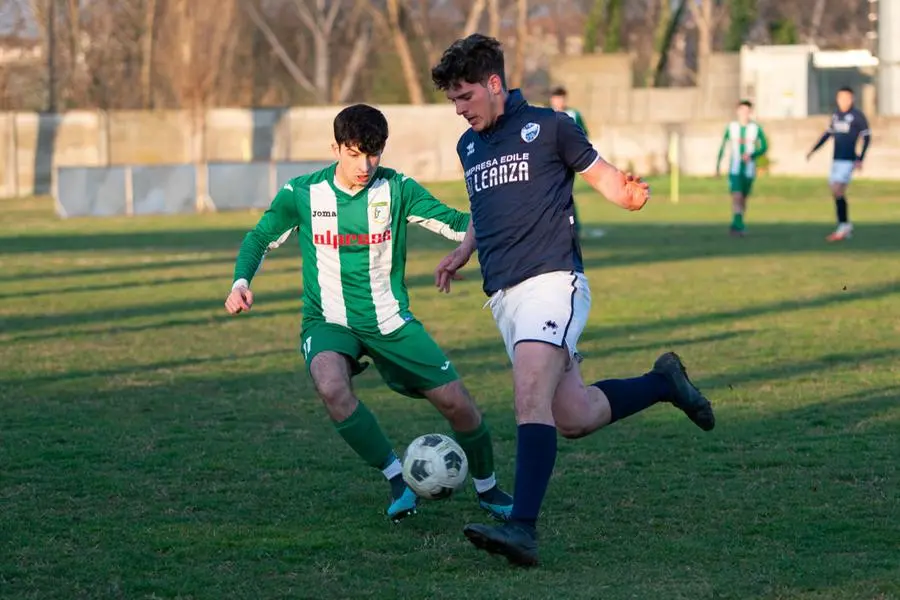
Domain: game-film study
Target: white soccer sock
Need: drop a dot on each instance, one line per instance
(392, 470)
(483, 485)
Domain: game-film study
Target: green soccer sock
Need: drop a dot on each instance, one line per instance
(738, 221)
(479, 449)
(362, 432)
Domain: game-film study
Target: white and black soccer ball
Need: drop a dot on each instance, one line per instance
(434, 466)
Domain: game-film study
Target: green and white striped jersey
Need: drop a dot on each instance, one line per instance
(740, 140)
(353, 246)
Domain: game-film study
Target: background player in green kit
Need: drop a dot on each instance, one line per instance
(352, 220)
(559, 101)
(746, 142)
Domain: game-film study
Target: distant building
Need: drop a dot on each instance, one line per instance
(789, 82)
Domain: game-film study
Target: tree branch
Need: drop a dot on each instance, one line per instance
(278, 48)
(356, 61)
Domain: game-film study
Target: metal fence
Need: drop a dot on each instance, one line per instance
(172, 189)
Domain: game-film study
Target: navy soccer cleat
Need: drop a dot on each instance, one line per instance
(686, 395)
(516, 541)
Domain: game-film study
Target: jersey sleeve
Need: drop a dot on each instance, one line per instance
(573, 146)
(579, 120)
(423, 209)
(829, 131)
(865, 133)
(272, 230)
(762, 144)
(722, 145)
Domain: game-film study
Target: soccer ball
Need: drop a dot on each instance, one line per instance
(434, 466)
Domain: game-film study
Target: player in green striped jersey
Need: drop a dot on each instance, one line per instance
(351, 219)
(559, 101)
(746, 142)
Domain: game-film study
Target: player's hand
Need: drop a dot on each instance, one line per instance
(857, 165)
(446, 270)
(747, 157)
(634, 193)
(239, 300)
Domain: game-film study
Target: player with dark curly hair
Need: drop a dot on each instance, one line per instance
(520, 163)
(352, 219)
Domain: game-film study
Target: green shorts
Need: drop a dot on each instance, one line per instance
(409, 360)
(740, 184)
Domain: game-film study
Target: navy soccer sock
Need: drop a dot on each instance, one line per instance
(629, 396)
(840, 205)
(535, 458)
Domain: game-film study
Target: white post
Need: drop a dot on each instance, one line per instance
(674, 166)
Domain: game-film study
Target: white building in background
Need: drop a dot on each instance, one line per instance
(789, 82)
(889, 56)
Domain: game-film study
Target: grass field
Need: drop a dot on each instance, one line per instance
(153, 447)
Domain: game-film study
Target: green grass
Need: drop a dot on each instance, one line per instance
(153, 447)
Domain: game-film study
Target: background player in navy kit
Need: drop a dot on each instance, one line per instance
(520, 163)
(848, 124)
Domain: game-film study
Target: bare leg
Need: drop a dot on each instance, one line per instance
(579, 410)
(456, 404)
(330, 373)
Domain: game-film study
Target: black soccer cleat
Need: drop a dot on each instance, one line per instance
(686, 395)
(515, 541)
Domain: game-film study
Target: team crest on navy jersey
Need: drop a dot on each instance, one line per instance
(530, 132)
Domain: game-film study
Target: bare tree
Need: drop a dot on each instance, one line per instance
(319, 20)
(702, 14)
(392, 24)
(278, 48)
(474, 18)
(494, 18)
(147, 44)
(361, 31)
(518, 72)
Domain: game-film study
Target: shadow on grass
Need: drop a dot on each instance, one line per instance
(796, 500)
(631, 242)
(20, 324)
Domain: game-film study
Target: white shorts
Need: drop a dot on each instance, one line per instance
(841, 171)
(552, 308)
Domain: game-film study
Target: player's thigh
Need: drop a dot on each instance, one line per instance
(735, 183)
(551, 308)
(747, 186)
(332, 356)
(410, 361)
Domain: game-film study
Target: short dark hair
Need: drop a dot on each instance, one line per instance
(362, 126)
(847, 89)
(472, 59)
(558, 91)
(746, 103)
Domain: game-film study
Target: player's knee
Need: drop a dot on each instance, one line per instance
(338, 399)
(332, 382)
(453, 401)
(571, 431)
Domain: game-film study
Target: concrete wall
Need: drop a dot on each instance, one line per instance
(422, 144)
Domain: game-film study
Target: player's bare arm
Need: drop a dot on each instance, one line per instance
(623, 189)
(446, 270)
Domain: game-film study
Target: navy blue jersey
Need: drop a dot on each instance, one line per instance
(847, 128)
(519, 175)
